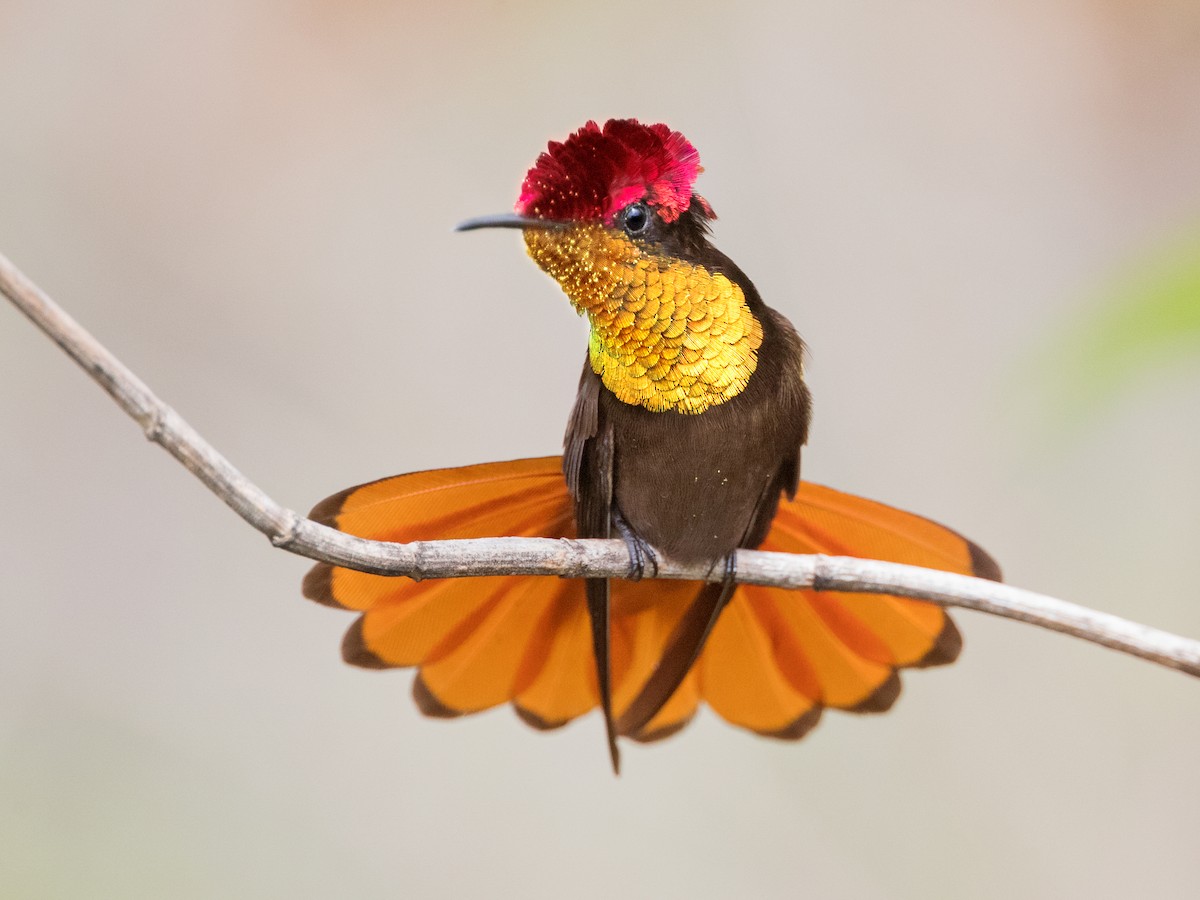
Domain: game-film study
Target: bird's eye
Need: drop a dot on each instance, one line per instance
(635, 219)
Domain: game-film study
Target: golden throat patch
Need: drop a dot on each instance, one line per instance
(665, 334)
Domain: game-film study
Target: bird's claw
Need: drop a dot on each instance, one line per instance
(639, 551)
(728, 564)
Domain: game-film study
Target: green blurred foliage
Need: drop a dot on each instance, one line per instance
(1144, 321)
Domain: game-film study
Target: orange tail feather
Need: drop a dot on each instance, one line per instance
(773, 661)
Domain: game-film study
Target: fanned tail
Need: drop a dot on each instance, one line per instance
(773, 661)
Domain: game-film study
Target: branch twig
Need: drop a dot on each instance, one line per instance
(566, 558)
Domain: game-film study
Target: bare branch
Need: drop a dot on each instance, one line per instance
(567, 558)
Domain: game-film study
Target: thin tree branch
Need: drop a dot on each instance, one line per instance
(566, 558)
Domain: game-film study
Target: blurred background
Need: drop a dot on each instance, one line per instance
(985, 220)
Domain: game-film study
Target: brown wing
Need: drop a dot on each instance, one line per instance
(588, 468)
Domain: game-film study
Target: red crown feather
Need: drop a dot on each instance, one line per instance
(597, 172)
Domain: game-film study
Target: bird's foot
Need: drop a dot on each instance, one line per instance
(728, 564)
(640, 552)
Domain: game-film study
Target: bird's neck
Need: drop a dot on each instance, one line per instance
(666, 334)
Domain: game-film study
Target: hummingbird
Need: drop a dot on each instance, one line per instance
(684, 440)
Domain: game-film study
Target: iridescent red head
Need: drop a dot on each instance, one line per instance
(597, 172)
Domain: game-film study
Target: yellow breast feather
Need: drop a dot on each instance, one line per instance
(665, 334)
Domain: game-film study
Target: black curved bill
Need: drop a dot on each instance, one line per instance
(508, 220)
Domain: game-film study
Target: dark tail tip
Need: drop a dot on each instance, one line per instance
(982, 563)
(318, 585)
(798, 727)
(881, 699)
(355, 650)
(945, 649)
(429, 704)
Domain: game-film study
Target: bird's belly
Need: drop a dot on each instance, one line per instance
(690, 487)
(692, 514)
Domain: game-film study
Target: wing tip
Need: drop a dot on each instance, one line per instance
(684, 646)
(356, 652)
